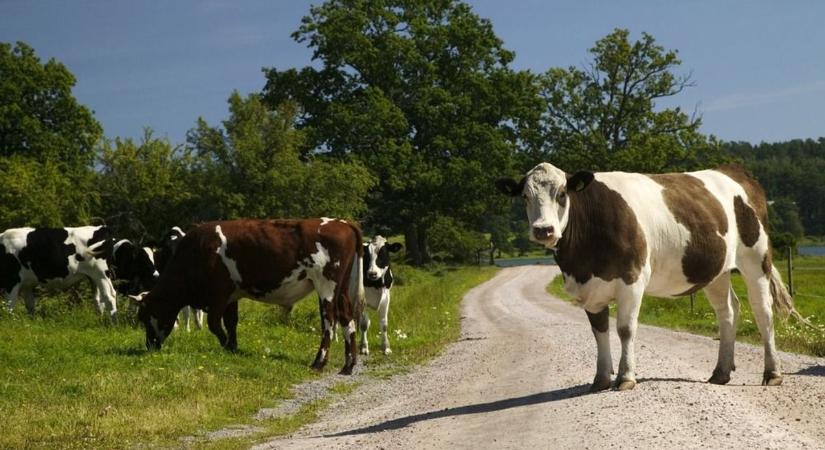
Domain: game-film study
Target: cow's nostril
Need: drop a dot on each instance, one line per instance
(543, 233)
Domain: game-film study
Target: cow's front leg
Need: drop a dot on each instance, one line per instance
(364, 326)
(327, 310)
(627, 318)
(28, 296)
(600, 324)
(383, 310)
(213, 321)
(230, 321)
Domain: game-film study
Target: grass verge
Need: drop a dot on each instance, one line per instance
(69, 381)
(675, 313)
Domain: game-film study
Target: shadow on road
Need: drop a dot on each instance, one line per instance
(498, 405)
(814, 370)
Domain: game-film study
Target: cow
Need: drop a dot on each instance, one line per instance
(377, 283)
(163, 254)
(132, 268)
(273, 261)
(620, 235)
(57, 258)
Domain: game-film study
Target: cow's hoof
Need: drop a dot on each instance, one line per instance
(771, 379)
(625, 385)
(719, 377)
(318, 366)
(365, 351)
(600, 384)
(346, 370)
(387, 351)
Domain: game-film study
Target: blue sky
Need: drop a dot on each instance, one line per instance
(759, 66)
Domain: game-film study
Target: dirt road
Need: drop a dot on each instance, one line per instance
(518, 378)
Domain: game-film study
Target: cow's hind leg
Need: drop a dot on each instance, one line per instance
(327, 310)
(759, 297)
(347, 322)
(230, 321)
(726, 306)
(383, 312)
(28, 296)
(600, 324)
(629, 300)
(213, 321)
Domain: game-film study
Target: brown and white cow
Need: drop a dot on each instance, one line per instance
(272, 261)
(620, 235)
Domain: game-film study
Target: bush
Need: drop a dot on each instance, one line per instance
(451, 241)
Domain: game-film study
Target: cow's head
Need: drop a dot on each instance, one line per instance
(377, 257)
(158, 321)
(546, 190)
(134, 268)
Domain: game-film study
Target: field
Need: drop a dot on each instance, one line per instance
(69, 381)
(675, 313)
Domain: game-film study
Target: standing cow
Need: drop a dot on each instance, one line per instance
(56, 257)
(273, 261)
(377, 283)
(132, 268)
(163, 254)
(619, 235)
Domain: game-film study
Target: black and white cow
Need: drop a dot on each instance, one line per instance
(56, 257)
(132, 268)
(274, 261)
(619, 235)
(377, 283)
(163, 253)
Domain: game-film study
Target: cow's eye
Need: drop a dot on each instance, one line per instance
(562, 195)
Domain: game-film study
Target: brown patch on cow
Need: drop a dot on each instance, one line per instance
(746, 222)
(624, 332)
(754, 191)
(599, 321)
(767, 263)
(700, 212)
(602, 237)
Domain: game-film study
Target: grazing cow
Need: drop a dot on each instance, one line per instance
(56, 257)
(132, 268)
(619, 235)
(377, 283)
(163, 254)
(274, 261)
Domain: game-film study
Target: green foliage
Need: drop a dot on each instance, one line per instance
(34, 193)
(604, 117)
(144, 186)
(784, 217)
(421, 93)
(455, 242)
(252, 167)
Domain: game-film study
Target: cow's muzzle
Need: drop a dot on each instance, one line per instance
(543, 233)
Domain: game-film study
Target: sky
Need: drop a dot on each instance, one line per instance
(758, 65)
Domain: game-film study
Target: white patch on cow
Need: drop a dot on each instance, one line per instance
(328, 328)
(326, 220)
(118, 244)
(373, 271)
(324, 286)
(151, 254)
(231, 265)
(178, 231)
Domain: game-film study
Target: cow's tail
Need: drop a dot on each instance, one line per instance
(356, 281)
(782, 300)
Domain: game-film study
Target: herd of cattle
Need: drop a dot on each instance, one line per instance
(208, 270)
(616, 236)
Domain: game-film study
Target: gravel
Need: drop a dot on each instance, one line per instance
(518, 378)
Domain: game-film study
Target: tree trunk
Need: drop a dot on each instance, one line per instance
(423, 246)
(411, 241)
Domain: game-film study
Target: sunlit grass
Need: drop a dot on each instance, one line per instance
(67, 380)
(675, 313)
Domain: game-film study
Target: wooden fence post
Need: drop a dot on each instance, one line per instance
(790, 271)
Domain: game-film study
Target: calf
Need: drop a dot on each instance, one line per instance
(377, 283)
(273, 261)
(56, 257)
(619, 235)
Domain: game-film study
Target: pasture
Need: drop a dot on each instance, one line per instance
(70, 381)
(675, 313)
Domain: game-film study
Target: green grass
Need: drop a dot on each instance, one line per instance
(675, 313)
(69, 381)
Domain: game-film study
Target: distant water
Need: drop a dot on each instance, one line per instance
(814, 250)
(544, 261)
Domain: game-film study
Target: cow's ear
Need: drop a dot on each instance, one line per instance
(579, 181)
(510, 186)
(394, 247)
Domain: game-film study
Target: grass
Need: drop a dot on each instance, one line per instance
(791, 336)
(69, 381)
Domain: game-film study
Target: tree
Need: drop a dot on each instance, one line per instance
(604, 117)
(252, 167)
(421, 93)
(47, 139)
(145, 187)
